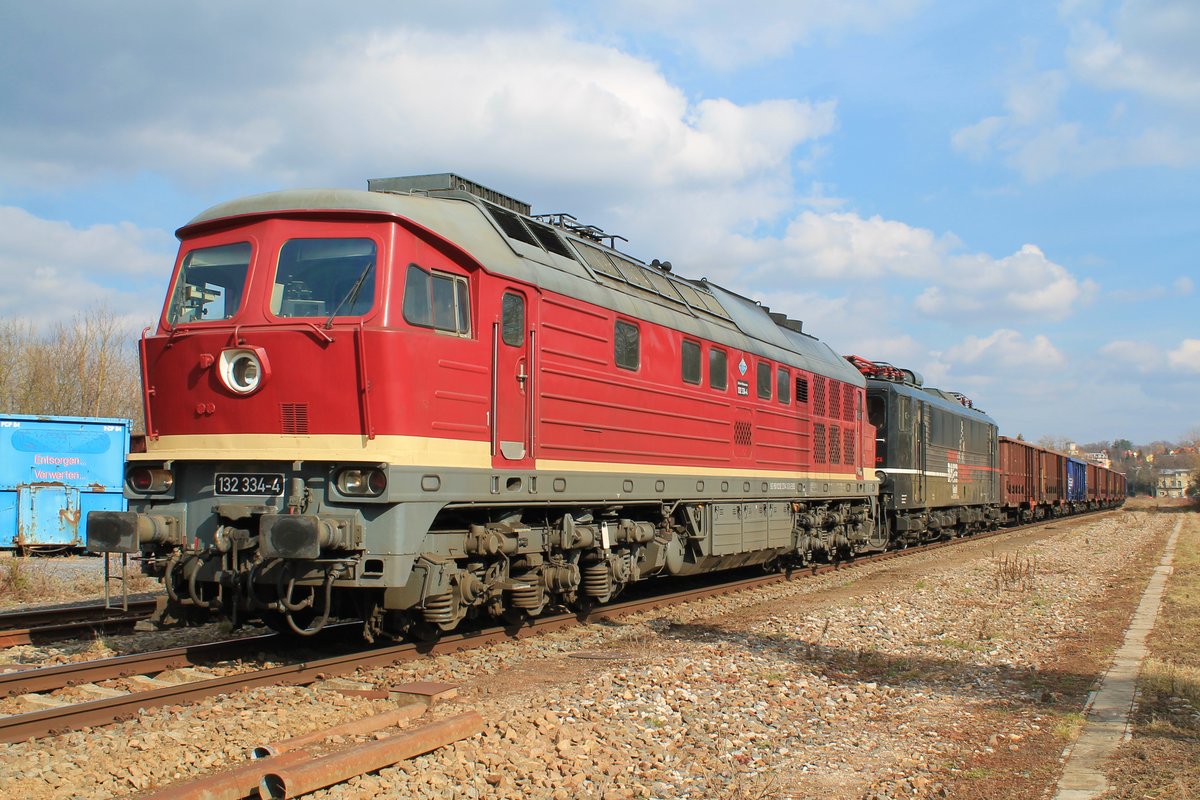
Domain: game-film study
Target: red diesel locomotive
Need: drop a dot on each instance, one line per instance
(420, 403)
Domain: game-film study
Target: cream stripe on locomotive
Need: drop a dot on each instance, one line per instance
(417, 451)
(694, 472)
(402, 451)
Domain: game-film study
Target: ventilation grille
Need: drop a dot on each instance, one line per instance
(819, 395)
(849, 446)
(835, 444)
(294, 419)
(848, 395)
(819, 456)
(802, 391)
(741, 433)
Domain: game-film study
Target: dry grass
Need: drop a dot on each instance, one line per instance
(1161, 760)
(25, 581)
(1014, 573)
(18, 582)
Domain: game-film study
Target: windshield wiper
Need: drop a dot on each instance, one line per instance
(352, 295)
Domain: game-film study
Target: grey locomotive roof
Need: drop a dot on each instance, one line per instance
(463, 219)
(936, 397)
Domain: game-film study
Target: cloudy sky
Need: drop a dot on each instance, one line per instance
(1003, 196)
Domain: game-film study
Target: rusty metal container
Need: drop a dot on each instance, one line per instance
(53, 471)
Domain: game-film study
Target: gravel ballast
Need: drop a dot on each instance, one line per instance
(954, 673)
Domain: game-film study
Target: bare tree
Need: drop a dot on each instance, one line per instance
(1059, 443)
(87, 368)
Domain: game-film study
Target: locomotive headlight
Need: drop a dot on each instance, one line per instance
(243, 369)
(146, 480)
(362, 481)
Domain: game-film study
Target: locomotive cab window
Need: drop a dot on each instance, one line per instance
(718, 369)
(764, 380)
(691, 362)
(324, 278)
(210, 284)
(437, 300)
(626, 345)
(877, 411)
(512, 320)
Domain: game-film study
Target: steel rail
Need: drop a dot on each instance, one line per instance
(67, 630)
(39, 616)
(59, 676)
(55, 720)
(43, 624)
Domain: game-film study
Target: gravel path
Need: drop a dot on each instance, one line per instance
(950, 674)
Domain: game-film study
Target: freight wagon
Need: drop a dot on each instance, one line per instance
(1040, 483)
(53, 471)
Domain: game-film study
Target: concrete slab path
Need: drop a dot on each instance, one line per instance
(1108, 714)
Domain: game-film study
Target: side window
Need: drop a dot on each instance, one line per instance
(718, 369)
(626, 346)
(783, 385)
(437, 300)
(512, 320)
(691, 362)
(764, 380)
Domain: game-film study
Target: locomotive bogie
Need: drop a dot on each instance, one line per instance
(436, 546)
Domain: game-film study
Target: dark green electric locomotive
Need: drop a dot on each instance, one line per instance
(935, 455)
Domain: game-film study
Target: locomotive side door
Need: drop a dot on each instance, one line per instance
(923, 430)
(513, 392)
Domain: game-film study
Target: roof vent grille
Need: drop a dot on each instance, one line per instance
(446, 182)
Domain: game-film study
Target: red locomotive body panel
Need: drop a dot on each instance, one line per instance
(558, 396)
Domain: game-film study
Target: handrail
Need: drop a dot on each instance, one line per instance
(364, 381)
(147, 389)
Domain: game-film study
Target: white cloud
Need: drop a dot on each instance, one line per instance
(52, 270)
(729, 35)
(1008, 350)
(1148, 48)
(1144, 56)
(1037, 98)
(563, 113)
(978, 139)
(947, 282)
(1186, 357)
(1141, 357)
(846, 245)
(1180, 287)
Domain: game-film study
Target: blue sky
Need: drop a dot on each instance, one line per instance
(1002, 196)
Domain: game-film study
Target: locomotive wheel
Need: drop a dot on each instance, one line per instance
(423, 631)
(516, 616)
(277, 622)
(582, 604)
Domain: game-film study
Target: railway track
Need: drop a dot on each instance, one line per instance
(61, 716)
(56, 623)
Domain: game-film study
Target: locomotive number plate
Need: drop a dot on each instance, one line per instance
(266, 484)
